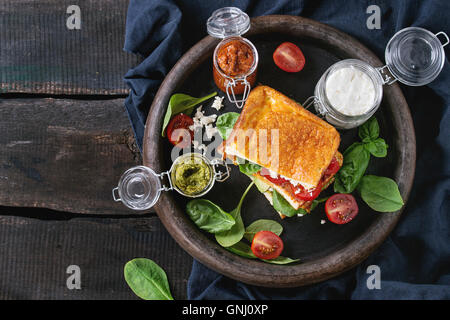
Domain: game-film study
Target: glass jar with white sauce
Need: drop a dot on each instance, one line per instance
(351, 90)
(140, 187)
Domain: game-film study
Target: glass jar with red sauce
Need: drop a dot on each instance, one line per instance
(235, 59)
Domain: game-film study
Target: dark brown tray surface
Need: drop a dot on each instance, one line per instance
(326, 249)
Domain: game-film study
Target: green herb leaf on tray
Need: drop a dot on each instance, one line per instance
(281, 260)
(377, 148)
(235, 234)
(180, 102)
(225, 123)
(369, 130)
(208, 216)
(260, 225)
(147, 280)
(356, 160)
(316, 202)
(242, 249)
(380, 193)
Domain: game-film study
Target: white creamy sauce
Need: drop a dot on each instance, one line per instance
(350, 91)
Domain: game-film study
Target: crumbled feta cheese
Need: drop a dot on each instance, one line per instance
(210, 131)
(205, 120)
(199, 146)
(217, 104)
(322, 221)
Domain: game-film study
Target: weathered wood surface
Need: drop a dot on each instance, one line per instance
(35, 255)
(64, 154)
(39, 54)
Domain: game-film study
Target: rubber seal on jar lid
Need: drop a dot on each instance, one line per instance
(227, 22)
(415, 56)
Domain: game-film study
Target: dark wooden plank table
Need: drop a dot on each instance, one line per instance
(65, 139)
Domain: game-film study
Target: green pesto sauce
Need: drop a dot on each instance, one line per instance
(191, 176)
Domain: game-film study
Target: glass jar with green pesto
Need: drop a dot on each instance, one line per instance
(191, 175)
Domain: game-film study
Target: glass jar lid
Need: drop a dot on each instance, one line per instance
(228, 21)
(415, 56)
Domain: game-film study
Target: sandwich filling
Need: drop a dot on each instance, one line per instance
(296, 150)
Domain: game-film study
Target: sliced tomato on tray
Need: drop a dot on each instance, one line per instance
(267, 245)
(341, 208)
(289, 57)
(178, 130)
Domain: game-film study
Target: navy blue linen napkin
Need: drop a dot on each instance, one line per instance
(415, 259)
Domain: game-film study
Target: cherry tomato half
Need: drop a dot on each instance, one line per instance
(267, 245)
(289, 57)
(178, 130)
(341, 208)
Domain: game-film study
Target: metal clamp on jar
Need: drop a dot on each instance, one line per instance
(191, 175)
(235, 58)
(351, 90)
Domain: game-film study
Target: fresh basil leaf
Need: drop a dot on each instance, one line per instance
(356, 160)
(280, 260)
(380, 193)
(242, 249)
(377, 148)
(180, 102)
(147, 280)
(369, 130)
(249, 168)
(235, 234)
(281, 205)
(260, 225)
(208, 216)
(225, 123)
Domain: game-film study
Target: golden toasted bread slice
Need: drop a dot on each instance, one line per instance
(277, 133)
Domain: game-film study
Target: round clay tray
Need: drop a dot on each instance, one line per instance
(325, 250)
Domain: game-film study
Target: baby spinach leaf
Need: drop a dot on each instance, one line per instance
(377, 148)
(260, 225)
(316, 202)
(281, 205)
(225, 123)
(356, 160)
(369, 130)
(208, 216)
(242, 249)
(180, 102)
(281, 260)
(249, 168)
(147, 280)
(235, 234)
(380, 193)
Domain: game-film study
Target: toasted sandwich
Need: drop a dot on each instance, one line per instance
(297, 151)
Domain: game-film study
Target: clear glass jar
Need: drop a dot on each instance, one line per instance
(237, 84)
(414, 56)
(140, 187)
(230, 24)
